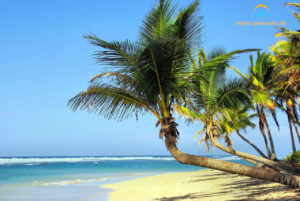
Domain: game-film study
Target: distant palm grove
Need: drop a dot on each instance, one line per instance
(167, 72)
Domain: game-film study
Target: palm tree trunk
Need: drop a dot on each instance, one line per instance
(259, 173)
(297, 132)
(262, 131)
(253, 162)
(252, 145)
(296, 129)
(270, 163)
(273, 156)
(291, 133)
(298, 101)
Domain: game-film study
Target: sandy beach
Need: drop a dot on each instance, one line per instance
(199, 185)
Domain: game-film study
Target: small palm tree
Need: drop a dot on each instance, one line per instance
(213, 95)
(220, 106)
(155, 73)
(260, 88)
(259, 83)
(236, 120)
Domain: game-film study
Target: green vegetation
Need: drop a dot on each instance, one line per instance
(166, 71)
(293, 158)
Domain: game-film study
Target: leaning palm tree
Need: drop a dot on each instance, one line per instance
(213, 104)
(153, 74)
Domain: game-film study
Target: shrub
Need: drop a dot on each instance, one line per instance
(293, 158)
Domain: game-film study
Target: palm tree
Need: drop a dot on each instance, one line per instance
(287, 59)
(236, 120)
(259, 83)
(260, 76)
(285, 100)
(213, 96)
(213, 101)
(155, 73)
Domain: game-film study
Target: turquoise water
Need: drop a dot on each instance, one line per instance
(78, 178)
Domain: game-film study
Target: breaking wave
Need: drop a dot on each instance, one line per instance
(32, 161)
(67, 182)
(40, 160)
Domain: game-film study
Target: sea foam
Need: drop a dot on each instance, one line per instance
(95, 159)
(31, 161)
(67, 182)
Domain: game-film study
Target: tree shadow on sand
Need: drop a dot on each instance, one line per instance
(192, 196)
(248, 185)
(176, 198)
(209, 177)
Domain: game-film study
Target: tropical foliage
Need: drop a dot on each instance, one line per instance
(287, 74)
(213, 97)
(293, 157)
(166, 70)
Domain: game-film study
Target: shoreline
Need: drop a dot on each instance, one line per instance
(199, 185)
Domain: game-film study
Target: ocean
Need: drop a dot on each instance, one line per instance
(79, 178)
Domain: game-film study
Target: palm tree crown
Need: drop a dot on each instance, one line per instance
(148, 75)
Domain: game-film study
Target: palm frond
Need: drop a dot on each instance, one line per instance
(188, 114)
(110, 102)
(263, 98)
(245, 77)
(108, 75)
(218, 73)
(296, 15)
(165, 72)
(158, 23)
(275, 118)
(115, 53)
(225, 58)
(188, 25)
(296, 5)
(232, 95)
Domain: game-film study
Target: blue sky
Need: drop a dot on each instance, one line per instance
(45, 61)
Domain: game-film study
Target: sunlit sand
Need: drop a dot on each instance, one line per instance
(200, 185)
